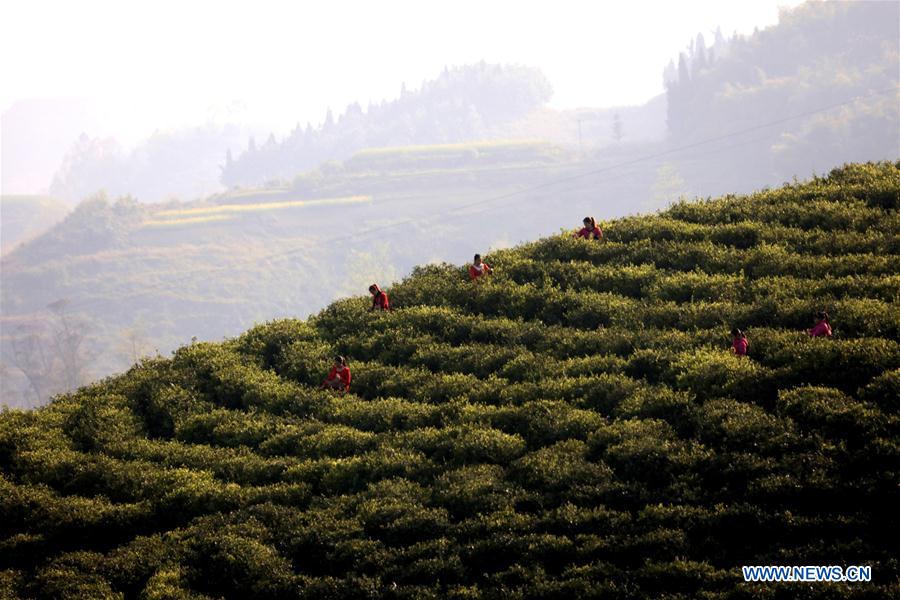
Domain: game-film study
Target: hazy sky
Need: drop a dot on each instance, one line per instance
(168, 63)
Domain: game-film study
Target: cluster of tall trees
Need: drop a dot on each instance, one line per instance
(183, 163)
(817, 90)
(459, 105)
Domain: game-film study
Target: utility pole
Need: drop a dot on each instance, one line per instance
(580, 118)
(580, 148)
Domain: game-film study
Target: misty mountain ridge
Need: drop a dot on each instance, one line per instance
(144, 278)
(463, 104)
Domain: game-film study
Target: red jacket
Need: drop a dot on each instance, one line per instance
(344, 374)
(587, 233)
(380, 300)
(474, 273)
(740, 346)
(821, 329)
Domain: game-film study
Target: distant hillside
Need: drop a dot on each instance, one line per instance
(575, 427)
(773, 85)
(145, 278)
(25, 217)
(462, 104)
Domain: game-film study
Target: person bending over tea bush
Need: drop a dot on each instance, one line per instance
(478, 269)
(822, 328)
(739, 342)
(339, 377)
(590, 231)
(379, 298)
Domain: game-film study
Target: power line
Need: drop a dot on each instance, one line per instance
(622, 164)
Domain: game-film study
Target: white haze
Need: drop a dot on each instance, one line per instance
(132, 68)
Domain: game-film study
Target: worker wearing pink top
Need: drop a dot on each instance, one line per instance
(822, 328)
(739, 342)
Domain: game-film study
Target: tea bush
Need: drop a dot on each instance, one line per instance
(576, 426)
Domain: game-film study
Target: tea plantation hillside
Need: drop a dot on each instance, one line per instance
(574, 428)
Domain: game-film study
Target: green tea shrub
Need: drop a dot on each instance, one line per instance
(371, 380)
(352, 474)
(444, 387)
(604, 393)
(234, 561)
(441, 323)
(540, 273)
(589, 310)
(527, 366)
(560, 468)
(507, 331)
(650, 364)
(884, 391)
(320, 441)
(647, 451)
(717, 373)
(739, 426)
(565, 248)
(430, 285)
(131, 566)
(345, 319)
(231, 464)
(587, 365)
(57, 517)
(628, 280)
(865, 317)
(573, 427)
(544, 422)
(226, 428)
(831, 216)
(844, 364)
(101, 421)
(688, 256)
(659, 402)
(12, 583)
(304, 361)
(697, 285)
(473, 489)
(564, 342)
(399, 523)
(74, 575)
(197, 491)
(267, 342)
(480, 360)
(169, 583)
(466, 445)
(743, 235)
(730, 209)
(831, 412)
(680, 578)
(164, 407)
(384, 414)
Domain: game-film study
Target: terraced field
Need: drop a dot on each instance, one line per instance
(574, 428)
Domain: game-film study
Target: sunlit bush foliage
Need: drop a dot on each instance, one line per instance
(575, 427)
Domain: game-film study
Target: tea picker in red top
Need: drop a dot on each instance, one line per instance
(479, 269)
(379, 298)
(590, 231)
(339, 376)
